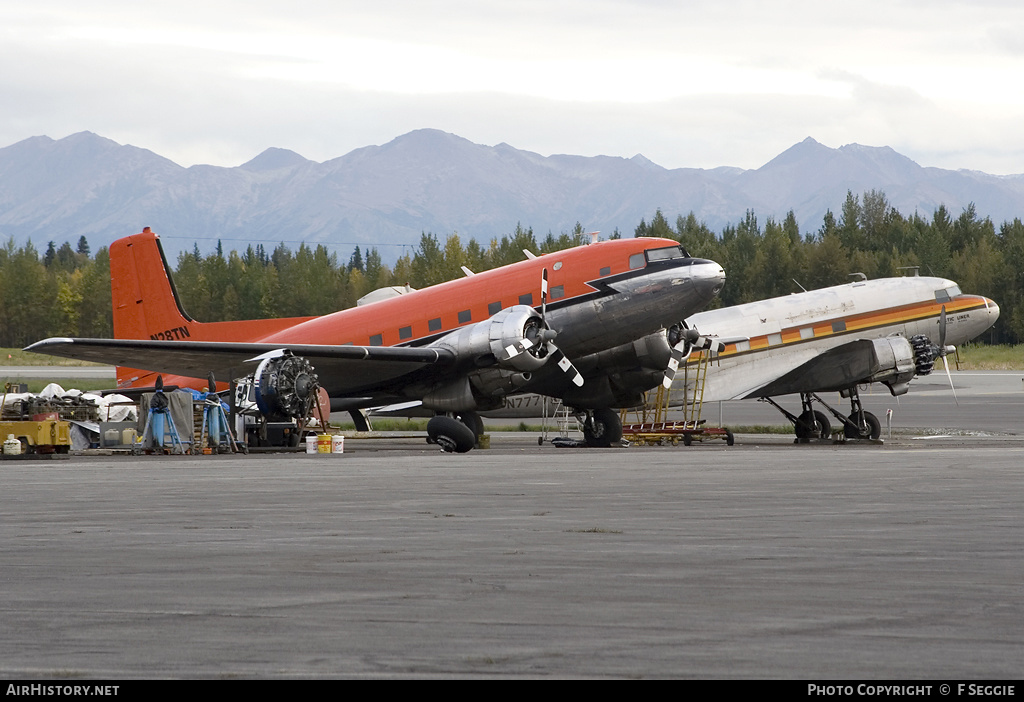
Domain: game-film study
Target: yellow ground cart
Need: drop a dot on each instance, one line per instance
(650, 426)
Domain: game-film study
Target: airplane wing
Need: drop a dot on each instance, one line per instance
(836, 369)
(343, 369)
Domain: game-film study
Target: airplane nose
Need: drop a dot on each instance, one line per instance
(708, 277)
(993, 309)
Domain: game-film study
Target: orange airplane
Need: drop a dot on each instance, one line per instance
(455, 348)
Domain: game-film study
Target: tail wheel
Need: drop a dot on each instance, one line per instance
(870, 428)
(602, 428)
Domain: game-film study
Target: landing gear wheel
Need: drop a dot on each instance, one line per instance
(450, 434)
(813, 424)
(871, 428)
(474, 422)
(602, 428)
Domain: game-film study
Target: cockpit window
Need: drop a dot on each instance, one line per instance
(947, 294)
(665, 254)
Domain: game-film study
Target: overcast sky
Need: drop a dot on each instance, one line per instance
(686, 84)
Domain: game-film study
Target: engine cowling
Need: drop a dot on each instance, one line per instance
(514, 338)
(895, 357)
(285, 386)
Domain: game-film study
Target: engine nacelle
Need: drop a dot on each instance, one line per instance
(619, 376)
(500, 340)
(285, 386)
(896, 363)
(480, 390)
(648, 353)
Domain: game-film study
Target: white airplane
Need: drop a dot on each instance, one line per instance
(833, 339)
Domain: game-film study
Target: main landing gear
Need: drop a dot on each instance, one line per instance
(815, 424)
(602, 428)
(455, 434)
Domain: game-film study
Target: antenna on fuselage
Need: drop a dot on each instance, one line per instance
(858, 276)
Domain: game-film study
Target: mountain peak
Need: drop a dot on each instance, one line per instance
(800, 152)
(272, 159)
(644, 162)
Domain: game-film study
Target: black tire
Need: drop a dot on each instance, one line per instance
(450, 434)
(602, 428)
(474, 422)
(813, 424)
(729, 438)
(870, 429)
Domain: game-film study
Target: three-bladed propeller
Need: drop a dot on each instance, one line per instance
(549, 335)
(926, 352)
(686, 341)
(537, 336)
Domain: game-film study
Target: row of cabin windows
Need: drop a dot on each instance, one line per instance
(805, 333)
(638, 260)
(465, 316)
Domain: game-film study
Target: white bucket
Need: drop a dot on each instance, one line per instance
(311, 443)
(337, 443)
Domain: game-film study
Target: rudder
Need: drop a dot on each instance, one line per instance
(145, 303)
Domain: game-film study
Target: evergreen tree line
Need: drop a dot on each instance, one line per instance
(66, 292)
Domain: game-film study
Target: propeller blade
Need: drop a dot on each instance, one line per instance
(565, 364)
(546, 336)
(544, 295)
(513, 350)
(950, 376)
(942, 328)
(680, 352)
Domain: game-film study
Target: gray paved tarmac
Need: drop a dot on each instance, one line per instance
(760, 560)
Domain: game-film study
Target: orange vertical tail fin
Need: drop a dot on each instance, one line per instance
(146, 305)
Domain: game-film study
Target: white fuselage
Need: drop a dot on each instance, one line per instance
(769, 339)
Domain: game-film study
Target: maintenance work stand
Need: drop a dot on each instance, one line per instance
(649, 425)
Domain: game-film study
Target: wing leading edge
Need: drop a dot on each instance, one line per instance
(346, 369)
